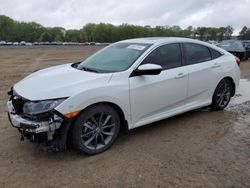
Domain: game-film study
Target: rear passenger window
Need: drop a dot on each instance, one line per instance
(168, 56)
(215, 54)
(196, 53)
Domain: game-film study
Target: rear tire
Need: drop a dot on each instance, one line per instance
(222, 95)
(95, 129)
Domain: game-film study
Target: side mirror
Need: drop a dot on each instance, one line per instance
(148, 69)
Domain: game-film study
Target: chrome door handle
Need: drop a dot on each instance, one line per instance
(180, 75)
(216, 65)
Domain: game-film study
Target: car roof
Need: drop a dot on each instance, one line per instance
(155, 41)
(160, 40)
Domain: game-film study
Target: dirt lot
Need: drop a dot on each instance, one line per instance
(197, 149)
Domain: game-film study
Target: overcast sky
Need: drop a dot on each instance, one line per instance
(76, 13)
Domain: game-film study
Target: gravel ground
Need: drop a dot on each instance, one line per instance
(201, 148)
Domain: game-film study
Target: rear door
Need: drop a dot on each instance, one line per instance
(203, 70)
(151, 96)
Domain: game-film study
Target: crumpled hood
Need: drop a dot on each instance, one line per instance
(58, 82)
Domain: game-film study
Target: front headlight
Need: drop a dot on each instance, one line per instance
(39, 107)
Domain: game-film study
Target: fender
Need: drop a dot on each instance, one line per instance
(112, 94)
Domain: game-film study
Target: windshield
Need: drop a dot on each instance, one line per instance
(114, 58)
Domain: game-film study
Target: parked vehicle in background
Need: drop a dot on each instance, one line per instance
(128, 84)
(22, 43)
(213, 42)
(44, 43)
(53, 43)
(56, 43)
(92, 43)
(47, 43)
(28, 44)
(235, 47)
(9, 43)
(2, 42)
(246, 44)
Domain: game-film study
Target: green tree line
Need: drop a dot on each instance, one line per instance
(11, 30)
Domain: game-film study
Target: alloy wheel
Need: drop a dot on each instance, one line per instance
(98, 130)
(223, 94)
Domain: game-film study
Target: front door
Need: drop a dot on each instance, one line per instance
(153, 96)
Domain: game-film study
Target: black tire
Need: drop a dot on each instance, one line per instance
(222, 95)
(104, 133)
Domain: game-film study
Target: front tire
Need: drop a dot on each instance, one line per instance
(95, 129)
(222, 95)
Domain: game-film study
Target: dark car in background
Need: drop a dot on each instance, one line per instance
(246, 44)
(235, 47)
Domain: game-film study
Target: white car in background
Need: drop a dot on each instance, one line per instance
(3, 42)
(125, 85)
(28, 44)
(213, 42)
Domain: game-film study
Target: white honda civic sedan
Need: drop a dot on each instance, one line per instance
(125, 85)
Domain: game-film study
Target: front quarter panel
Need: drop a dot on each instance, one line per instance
(116, 91)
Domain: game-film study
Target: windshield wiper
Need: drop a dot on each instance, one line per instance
(89, 69)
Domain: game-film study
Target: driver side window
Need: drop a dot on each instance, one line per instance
(168, 56)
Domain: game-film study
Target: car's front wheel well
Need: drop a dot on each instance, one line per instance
(124, 123)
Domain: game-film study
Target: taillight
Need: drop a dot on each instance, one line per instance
(237, 61)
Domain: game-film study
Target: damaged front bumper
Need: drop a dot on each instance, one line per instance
(34, 126)
(50, 132)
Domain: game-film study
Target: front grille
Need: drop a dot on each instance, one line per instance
(37, 118)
